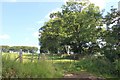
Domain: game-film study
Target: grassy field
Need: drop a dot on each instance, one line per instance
(45, 68)
(54, 66)
(42, 69)
(28, 57)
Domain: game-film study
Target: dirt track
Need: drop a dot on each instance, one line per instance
(83, 75)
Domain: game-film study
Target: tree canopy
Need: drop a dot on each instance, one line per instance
(74, 26)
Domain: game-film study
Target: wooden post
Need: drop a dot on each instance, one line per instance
(38, 57)
(32, 57)
(20, 55)
(39, 54)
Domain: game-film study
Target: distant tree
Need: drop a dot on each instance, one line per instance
(5, 48)
(25, 49)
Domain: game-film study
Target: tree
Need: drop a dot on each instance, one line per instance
(74, 27)
(17, 49)
(5, 48)
(112, 34)
(112, 38)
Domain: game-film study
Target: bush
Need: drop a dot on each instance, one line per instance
(99, 66)
(117, 67)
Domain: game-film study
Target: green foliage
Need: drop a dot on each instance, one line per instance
(99, 66)
(75, 25)
(112, 35)
(47, 68)
(117, 67)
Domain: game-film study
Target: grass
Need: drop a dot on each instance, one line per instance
(101, 67)
(15, 69)
(55, 66)
(0, 66)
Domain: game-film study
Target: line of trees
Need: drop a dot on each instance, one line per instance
(26, 49)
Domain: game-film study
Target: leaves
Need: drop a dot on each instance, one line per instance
(75, 24)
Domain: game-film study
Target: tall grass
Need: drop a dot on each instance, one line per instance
(15, 69)
(55, 68)
(99, 66)
(0, 65)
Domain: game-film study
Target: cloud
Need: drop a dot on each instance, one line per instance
(100, 3)
(113, 3)
(4, 37)
(27, 39)
(39, 0)
(8, 1)
(112, 0)
(46, 18)
(53, 11)
(29, 42)
(35, 34)
(13, 0)
(31, 28)
(41, 21)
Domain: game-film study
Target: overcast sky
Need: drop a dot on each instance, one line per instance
(21, 19)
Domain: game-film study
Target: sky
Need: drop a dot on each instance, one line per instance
(21, 19)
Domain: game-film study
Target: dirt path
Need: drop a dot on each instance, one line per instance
(83, 75)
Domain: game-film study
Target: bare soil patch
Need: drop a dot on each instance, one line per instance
(83, 75)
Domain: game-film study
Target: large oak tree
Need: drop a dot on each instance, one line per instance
(74, 26)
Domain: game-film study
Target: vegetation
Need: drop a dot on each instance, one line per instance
(79, 27)
(74, 26)
(42, 69)
(26, 49)
(56, 68)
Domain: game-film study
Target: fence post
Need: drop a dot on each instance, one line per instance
(32, 57)
(20, 55)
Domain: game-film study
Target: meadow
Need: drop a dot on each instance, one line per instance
(54, 66)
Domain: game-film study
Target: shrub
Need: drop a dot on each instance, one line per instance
(117, 67)
(99, 66)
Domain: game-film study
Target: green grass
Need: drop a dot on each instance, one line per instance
(101, 67)
(55, 66)
(42, 69)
